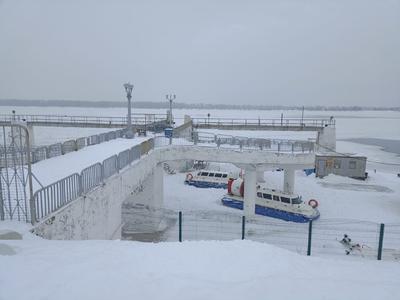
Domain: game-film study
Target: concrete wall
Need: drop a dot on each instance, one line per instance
(97, 215)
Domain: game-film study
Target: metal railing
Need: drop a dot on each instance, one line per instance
(54, 196)
(45, 152)
(119, 121)
(275, 122)
(205, 139)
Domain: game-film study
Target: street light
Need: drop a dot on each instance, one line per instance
(170, 98)
(128, 88)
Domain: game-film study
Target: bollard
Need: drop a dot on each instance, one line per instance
(309, 238)
(243, 227)
(381, 232)
(180, 226)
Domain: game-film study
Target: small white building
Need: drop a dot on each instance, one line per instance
(344, 165)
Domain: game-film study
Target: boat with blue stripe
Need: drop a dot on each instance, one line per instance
(272, 203)
(208, 179)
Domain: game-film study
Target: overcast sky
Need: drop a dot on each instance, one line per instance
(288, 52)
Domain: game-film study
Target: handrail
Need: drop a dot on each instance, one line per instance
(136, 118)
(301, 122)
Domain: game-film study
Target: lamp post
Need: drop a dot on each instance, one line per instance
(129, 132)
(170, 98)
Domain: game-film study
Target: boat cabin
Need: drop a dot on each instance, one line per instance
(207, 179)
(280, 197)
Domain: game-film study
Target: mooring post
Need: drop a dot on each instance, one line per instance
(309, 238)
(380, 247)
(243, 227)
(180, 226)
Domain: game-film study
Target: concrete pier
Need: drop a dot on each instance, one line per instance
(250, 192)
(288, 181)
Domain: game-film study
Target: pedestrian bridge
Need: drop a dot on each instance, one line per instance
(88, 205)
(281, 124)
(142, 121)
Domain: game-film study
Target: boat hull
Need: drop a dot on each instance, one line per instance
(271, 212)
(207, 184)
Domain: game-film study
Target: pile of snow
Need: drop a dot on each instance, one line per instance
(43, 269)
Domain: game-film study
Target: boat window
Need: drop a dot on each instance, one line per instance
(218, 175)
(224, 175)
(276, 198)
(204, 174)
(210, 174)
(285, 200)
(199, 174)
(296, 200)
(259, 195)
(267, 196)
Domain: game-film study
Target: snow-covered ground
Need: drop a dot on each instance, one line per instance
(51, 170)
(41, 269)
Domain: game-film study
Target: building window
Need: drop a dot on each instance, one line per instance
(352, 164)
(336, 164)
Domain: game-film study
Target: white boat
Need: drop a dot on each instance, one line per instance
(272, 203)
(208, 179)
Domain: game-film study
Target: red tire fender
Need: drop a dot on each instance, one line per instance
(313, 203)
(189, 177)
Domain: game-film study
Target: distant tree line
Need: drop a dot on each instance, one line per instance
(179, 105)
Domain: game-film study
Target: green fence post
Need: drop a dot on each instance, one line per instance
(243, 226)
(381, 232)
(309, 238)
(180, 226)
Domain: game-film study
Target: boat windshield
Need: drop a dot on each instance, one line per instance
(296, 200)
